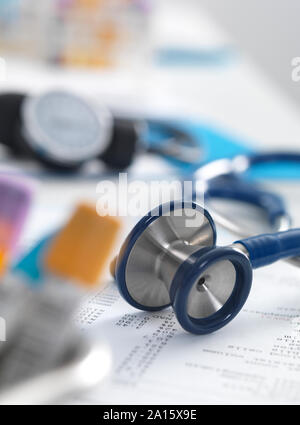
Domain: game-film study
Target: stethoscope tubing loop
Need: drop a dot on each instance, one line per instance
(220, 174)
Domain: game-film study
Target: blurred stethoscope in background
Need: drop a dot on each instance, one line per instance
(165, 261)
(63, 131)
(224, 179)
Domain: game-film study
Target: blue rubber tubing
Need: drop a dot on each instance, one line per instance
(237, 189)
(269, 248)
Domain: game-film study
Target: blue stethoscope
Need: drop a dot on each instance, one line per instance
(224, 179)
(165, 261)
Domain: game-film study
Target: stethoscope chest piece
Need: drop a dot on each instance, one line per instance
(170, 258)
(211, 288)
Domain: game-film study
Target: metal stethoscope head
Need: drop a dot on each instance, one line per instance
(170, 258)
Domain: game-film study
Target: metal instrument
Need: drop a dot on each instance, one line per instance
(170, 258)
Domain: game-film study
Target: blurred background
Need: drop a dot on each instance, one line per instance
(225, 67)
(201, 59)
